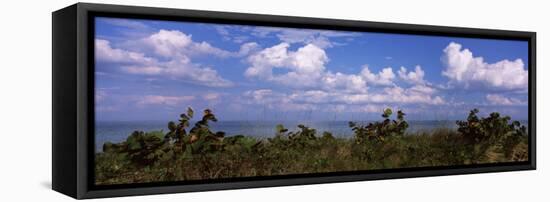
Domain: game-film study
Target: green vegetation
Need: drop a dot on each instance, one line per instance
(201, 153)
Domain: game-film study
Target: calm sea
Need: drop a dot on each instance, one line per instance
(118, 131)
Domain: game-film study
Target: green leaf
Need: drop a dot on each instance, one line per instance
(172, 126)
(190, 112)
(184, 118)
(387, 113)
(133, 144)
(280, 128)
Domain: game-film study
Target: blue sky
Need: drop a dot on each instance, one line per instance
(153, 70)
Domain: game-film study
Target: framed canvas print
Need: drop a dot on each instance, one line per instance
(154, 100)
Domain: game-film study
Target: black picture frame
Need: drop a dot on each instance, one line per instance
(73, 99)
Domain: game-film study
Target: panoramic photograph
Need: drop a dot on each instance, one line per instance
(187, 101)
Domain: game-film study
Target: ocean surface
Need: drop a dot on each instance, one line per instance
(118, 131)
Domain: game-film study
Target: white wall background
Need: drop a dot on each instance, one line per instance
(25, 100)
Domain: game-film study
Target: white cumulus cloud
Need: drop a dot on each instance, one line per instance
(384, 77)
(310, 98)
(496, 99)
(320, 38)
(275, 100)
(104, 52)
(464, 69)
(413, 77)
(343, 82)
(182, 70)
(177, 49)
(399, 95)
(303, 66)
(164, 100)
(173, 43)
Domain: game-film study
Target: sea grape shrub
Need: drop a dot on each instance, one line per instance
(146, 148)
(171, 135)
(492, 131)
(471, 129)
(281, 138)
(380, 131)
(177, 134)
(512, 144)
(154, 147)
(380, 142)
(303, 137)
(183, 123)
(304, 134)
(280, 130)
(327, 136)
(202, 139)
